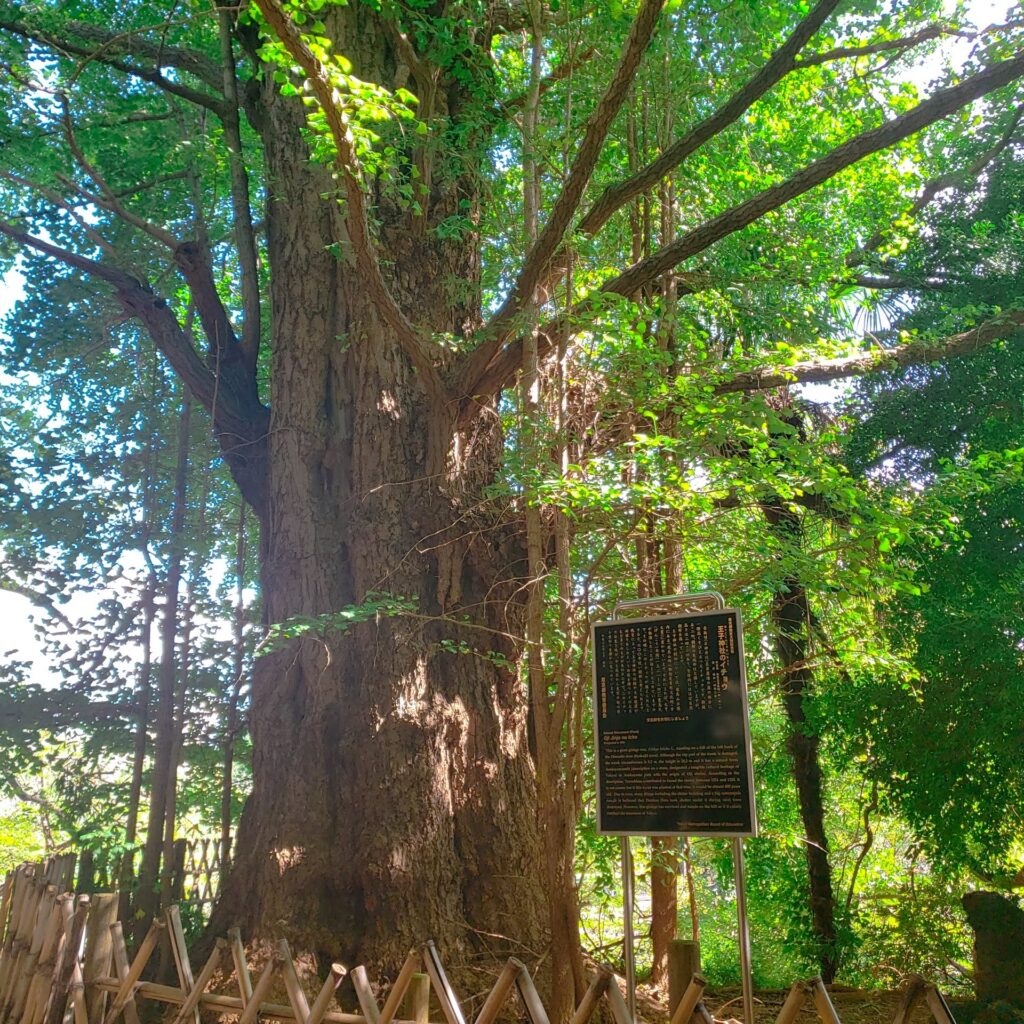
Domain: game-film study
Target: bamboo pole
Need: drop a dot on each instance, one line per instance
(242, 975)
(364, 993)
(620, 1011)
(499, 993)
(179, 953)
(99, 952)
(130, 975)
(938, 1005)
(260, 989)
(74, 930)
(18, 935)
(326, 994)
(46, 966)
(38, 916)
(5, 902)
(296, 994)
(528, 993)
(398, 990)
(822, 1002)
(419, 999)
(217, 1003)
(442, 988)
(191, 1005)
(791, 1007)
(688, 1003)
(597, 988)
(75, 927)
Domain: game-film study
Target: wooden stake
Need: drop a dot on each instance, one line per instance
(326, 994)
(442, 988)
(688, 1003)
(364, 993)
(398, 989)
(938, 1005)
(296, 993)
(191, 1005)
(125, 995)
(822, 1002)
(499, 993)
(791, 1007)
(242, 975)
(592, 996)
(262, 987)
(528, 993)
(99, 950)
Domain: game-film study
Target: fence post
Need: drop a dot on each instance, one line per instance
(418, 999)
(86, 873)
(99, 953)
(683, 964)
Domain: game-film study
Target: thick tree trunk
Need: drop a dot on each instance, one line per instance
(791, 616)
(393, 797)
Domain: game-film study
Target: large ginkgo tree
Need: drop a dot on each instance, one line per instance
(352, 229)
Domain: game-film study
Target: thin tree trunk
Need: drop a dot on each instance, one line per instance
(163, 745)
(791, 616)
(231, 724)
(142, 694)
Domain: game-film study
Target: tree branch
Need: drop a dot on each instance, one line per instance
(242, 226)
(944, 182)
(912, 353)
(886, 46)
(152, 75)
(240, 421)
(779, 65)
(108, 199)
(598, 126)
(411, 341)
(39, 599)
(940, 105)
(477, 373)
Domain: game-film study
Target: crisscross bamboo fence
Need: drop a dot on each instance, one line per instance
(63, 960)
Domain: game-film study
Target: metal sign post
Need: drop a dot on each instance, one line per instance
(744, 930)
(628, 953)
(672, 740)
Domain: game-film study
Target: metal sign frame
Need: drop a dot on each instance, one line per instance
(717, 605)
(747, 744)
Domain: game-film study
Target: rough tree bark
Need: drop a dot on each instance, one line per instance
(410, 810)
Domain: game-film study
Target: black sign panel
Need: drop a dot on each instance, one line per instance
(671, 727)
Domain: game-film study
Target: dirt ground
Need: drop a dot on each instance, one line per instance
(854, 1006)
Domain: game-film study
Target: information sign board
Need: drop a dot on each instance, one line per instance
(672, 733)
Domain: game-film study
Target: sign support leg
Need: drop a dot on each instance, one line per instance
(627, 926)
(744, 931)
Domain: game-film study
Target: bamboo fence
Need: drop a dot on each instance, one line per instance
(63, 960)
